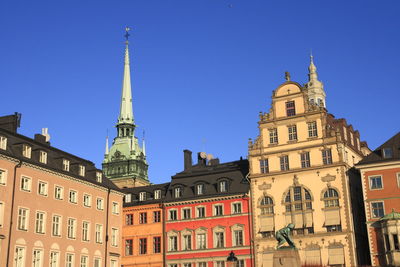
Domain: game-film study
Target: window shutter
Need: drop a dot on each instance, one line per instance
(313, 256)
(298, 220)
(332, 217)
(266, 224)
(308, 219)
(336, 255)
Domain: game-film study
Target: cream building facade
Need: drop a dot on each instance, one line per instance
(300, 173)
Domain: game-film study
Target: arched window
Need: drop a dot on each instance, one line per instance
(266, 205)
(331, 198)
(298, 198)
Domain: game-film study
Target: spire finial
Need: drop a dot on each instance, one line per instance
(127, 29)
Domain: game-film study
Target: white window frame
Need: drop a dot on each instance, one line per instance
(73, 196)
(177, 192)
(99, 177)
(215, 210)
(81, 170)
(97, 262)
(26, 151)
(398, 179)
(65, 165)
(87, 200)
(370, 178)
(3, 142)
(69, 262)
(169, 214)
(3, 177)
(201, 232)
(128, 198)
(99, 233)
(54, 262)
(84, 261)
(19, 256)
(37, 257)
(372, 210)
(142, 196)
(56, 225)
(23, 219)
(223, 186)
(216, 231)
(199, 189)
(58, 192)
(2, 214)
(173, 242)
(26, 183)
(114, 237)
(71, 228)
(43, 157)
(115, 208)
(183, 213)
(198, 213)
(233, 205)
(40, 222)
(157, 194)
(100, 203)
(45, 191)
(85, 231)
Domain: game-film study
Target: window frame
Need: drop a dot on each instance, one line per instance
(372, 178)
(290, 108)
(28, 183)
(327, 158)
(3, 177)
(284, 162)
(216, 208)
(292, 132)
(312, 129)
(273, 136)
(46, 188)
(305, 160)
(264, 166)
(3, 142)
(372, 209)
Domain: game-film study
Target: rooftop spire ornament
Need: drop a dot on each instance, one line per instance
(127, 29)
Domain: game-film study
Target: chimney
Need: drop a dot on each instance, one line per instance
(40, 138)
(201, 161)
(214, 162)
(187, 159)
(11, 122)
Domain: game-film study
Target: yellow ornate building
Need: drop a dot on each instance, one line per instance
(301, 173)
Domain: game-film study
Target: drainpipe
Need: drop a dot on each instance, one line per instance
(107, 215)
(251, 222)
(11, 212)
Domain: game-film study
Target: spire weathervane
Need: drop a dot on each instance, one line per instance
(127, 29)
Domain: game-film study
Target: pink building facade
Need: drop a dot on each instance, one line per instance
(56, 209)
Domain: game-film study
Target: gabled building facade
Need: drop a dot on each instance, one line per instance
(143, 226)
(207, 214)
(56, 209)
(125, 162)
(380, 178)
(300, 173)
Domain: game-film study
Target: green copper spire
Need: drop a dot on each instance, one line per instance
(125, 162)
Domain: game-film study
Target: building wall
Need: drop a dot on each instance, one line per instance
(34, 202)
(138, 231)
(209, 224)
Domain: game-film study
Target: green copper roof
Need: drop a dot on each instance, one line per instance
(391, 216)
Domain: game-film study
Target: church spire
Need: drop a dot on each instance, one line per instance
(126, 111)
(316, 93)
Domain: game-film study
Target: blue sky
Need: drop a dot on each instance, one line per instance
(201, 69)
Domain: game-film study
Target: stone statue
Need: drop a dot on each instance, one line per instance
(287, 76)
(284, 236)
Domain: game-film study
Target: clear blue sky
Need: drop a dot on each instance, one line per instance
(201, 70)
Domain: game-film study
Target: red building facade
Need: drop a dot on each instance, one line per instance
(207, 215)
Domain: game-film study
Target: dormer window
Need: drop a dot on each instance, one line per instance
(99, 177)
(290, 108)
(157, 194)
(177, 192)
(387, 153)
(223, 186)
(81, 170)
(200, 189)
(65, 165)
(142, 196)
(3, 142)
(26, 151)
(128, 198)
(43, 157)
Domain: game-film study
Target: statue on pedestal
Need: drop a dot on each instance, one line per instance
(284, 236)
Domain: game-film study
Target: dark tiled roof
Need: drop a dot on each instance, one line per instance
(149, 190)
(377, 155)
(55, 156)
(210, 175)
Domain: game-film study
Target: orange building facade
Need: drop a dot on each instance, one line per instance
(380, 174)
(56, 209)
(142, 229)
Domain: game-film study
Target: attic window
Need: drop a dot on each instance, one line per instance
(177, 192)
(26, 151)
(157, 194)
(99, 177)
(200, 189)
(3, 142)
(128, 198)
(43, 157)
(290, 108)
(81, 170)
(387, 153)
(65, 165)
(142, 196)
(223, 186)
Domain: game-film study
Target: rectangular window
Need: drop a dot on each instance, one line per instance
(99, 178)
(173, 215)
(143, 246)
(114, 237)
(219, 237)
(71, 226)
(97, 262)
(128, 247)
(273, 136)
(305, 159)
(115, 208)
(85, 231)
(65, 165)
(327, 156)
(157, 244)
(142, 196)
(26, 183)
(387, 153)
(173, 243)
(70, 260)
(157, 194)
(237, 208)
(186, 214)
(240, 263)
(264, 168)
(54, 258)
(238, 237)
(220, 264)
(223, 186)
(312, 129)
(3, 179)
(99, 233)
(26, 151)
(201, 212)
(187, 242)
(375, 182)
(292, 129)
(100, 204)
(19, 257)
(87, 200)
(284, 163)
(37, 258)
(42, 188)
(23, 219)
(201, 241)
(128, 198)
(129, 219)
(58, 192)
(81, 170)
(187, 265)
(84, 261)
(177, 192)
(113, 263)
(1, 214)
(203, 264)
(73, 196)
(200, 189)
(157, 216)
(218, 210)
(377, 209)
(143, 217)
(398, 179)
(3, 142)
(290, 108)
(56, 225)
(43, 157)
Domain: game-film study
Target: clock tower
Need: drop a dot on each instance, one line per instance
(125, 161)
